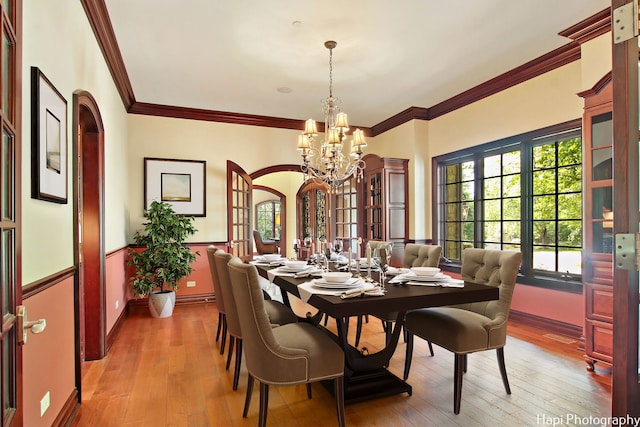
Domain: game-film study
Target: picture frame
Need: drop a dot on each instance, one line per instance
(48, 140)
(181, 183)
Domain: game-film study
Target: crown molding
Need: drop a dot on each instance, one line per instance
(589, 28)
(98, 17)
(600, 84)
(411, 113)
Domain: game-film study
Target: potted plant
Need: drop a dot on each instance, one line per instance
(165, 258)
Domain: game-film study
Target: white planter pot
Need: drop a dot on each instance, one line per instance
(161, 303)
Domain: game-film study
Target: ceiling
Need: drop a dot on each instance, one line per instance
(268, 57)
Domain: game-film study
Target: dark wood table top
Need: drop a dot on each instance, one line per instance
(397, 297)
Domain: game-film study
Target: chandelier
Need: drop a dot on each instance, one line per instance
(328, 159)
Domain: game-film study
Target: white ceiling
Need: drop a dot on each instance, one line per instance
(234, 55)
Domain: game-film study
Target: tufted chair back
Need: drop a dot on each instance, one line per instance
(421, 255)
(494, 268)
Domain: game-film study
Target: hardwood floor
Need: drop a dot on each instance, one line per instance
(169, 372)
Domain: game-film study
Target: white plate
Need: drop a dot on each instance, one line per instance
(435, 278)
(286, 269)
(351, 283)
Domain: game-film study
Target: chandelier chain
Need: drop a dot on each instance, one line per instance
(331, 73)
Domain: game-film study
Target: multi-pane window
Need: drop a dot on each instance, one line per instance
(268, 219)
(521, 193)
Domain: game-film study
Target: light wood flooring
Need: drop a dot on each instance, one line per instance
(169, 372)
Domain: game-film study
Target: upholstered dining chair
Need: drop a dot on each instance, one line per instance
(415, 255)
(469, 328)
(222, 314)
(297, 353)
(278, 313)
(265, 246)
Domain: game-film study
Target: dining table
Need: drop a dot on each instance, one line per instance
(366, 374)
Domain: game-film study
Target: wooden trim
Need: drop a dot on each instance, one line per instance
(550, 325)
(113, 333)
(69, 410)
(100, 22)
(589, 28)
(180, 300)
(45, 283)
(597, 88)
(411, 113)
(282, 198)
(276, 168)
(116, 251)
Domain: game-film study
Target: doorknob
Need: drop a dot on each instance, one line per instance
(36, 326)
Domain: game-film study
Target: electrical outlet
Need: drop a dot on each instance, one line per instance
(191, 284)
(44, 403)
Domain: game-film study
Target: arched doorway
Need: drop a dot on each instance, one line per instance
(89, 252)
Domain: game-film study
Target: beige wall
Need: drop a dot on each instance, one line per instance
(59, 41)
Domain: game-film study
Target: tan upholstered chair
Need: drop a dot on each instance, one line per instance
(279, 314)
(264, 246)
(415, 255)
(222, 316)
(297, 353)
(468, 328)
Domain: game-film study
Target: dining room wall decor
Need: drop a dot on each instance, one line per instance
(181, 183)
(48, 140)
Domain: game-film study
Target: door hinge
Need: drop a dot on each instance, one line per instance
(627, 251)
(624, 22)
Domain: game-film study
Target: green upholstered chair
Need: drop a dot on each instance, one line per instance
(222, 314)
(296, 353)
(468, 328)
(279, 314)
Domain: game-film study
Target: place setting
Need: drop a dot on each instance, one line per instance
(268, 260)
(336, 283)
(426, 276)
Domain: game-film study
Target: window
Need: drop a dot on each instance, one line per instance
(522, 193)
(268, 219)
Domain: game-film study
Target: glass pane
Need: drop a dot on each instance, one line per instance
(492, 231)
(570, 206)
(6, 178)
(570, 179)
(453, 230)
(467, 231)
(452, 174)
(544, 258)
(602, 203)
(467, 212)
(602, 130)
(492, 188)
(467, 171)
(6, 272)
(452, 192)
(544, 207)
(544, 232)
(452, 250)
(511, 162)
(570, 261)
(492, 210)
(6, 73)
(492, 166)
(602, 238)
(452, 212)
(570, 233)
(544, 156)
(544, 182)
(570, 152)
(511, 231)
(602, 164)
(511, 209)
(468, 191)
(511, 186)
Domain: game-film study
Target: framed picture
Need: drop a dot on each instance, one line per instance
(48, 140)
(178, 182)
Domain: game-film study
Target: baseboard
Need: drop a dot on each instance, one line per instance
(68, 411)
(551, 325)
(113, 333)
(180, 300)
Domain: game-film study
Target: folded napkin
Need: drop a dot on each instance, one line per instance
(393, 271)
(352, 293)
(307, 289)
(304, 273)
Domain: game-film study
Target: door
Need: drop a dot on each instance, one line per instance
(239, 205)
(625, 393)
(10, 209)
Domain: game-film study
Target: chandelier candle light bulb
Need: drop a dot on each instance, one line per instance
(324, 159)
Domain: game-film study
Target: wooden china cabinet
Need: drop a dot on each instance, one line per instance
(385, 213)
(597, 252)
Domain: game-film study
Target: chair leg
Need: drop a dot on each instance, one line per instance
(430, 348)
(247, 399)
(230, 352)
(465, 364)
(326, 319)
(339, 393)
(503, 369)
(358, 330)
(408, 355)
(387, 331)
(264, 403)
(308, 390)
(236, 370)
(219, 326)
(457, 385)
(224, 334)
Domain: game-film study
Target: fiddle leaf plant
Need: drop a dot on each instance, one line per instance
(166, 258)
